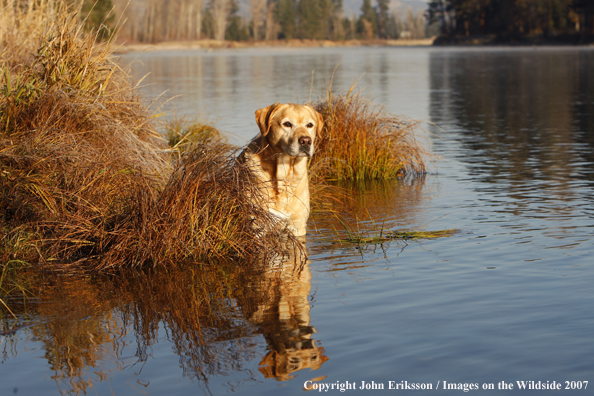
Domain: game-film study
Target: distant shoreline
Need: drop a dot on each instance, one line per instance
(208, 44)
(560, 40)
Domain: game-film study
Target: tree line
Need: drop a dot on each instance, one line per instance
(167, 20)
(513, 19)
(164, 20)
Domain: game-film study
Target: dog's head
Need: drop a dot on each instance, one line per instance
(290, 128)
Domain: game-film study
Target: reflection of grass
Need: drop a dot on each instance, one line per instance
(10, 284)
(204, 311)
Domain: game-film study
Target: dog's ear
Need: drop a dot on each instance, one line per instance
(319, 120)
(320, 123)
(263, 117)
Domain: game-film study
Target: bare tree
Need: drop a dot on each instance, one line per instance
(157, 20)
(220, 11)
(197, 15)
(256, 8)
(270, 21)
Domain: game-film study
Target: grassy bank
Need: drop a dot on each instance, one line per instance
(88, 181)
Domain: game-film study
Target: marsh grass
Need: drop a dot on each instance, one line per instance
(361, 141)
(182, 132)
(210, 209)
(382, 236)
(13, 285)
(371, 232)
(87, 181)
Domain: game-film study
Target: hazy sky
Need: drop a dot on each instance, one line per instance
(354, 6)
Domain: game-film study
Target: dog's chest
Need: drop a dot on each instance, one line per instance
(288, 181)
(291, 171)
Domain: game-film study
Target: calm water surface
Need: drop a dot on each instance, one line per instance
(508, 298)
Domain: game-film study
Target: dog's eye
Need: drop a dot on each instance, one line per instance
(310, 125)
(288, 124)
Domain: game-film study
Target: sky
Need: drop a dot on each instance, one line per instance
(354, 6)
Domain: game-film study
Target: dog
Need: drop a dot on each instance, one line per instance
(278, 157)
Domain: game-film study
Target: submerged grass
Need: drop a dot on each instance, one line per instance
(12, 284)
(390, 235)
(377, 235)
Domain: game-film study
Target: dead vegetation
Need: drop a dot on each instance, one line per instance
(360, 141)
(88, 182)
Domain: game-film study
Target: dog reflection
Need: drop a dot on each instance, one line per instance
(282, 315)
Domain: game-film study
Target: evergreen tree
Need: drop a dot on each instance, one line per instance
(349, 27)
(337, 31)
(326, 8)
(309, 17)
(585, 11)
(208, 24)
(236, 28)
(99, 16)
(392, 29)
(285, 16)
(511, 19)
(383, 18)
(367, 23)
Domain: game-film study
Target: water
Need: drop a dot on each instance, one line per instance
(507, 298)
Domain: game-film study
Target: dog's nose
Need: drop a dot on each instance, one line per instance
(305, 141)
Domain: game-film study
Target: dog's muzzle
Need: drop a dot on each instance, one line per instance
(305, 145)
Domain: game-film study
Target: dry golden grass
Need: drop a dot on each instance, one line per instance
(360, 141)
(183, 132)
(86, 181)
(208, 211)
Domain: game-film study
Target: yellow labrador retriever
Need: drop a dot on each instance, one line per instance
(279, 156)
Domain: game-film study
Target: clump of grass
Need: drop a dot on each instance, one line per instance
(182, 132)
(210, 211)
(360, 141)
(79, 157)
(86, 176)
